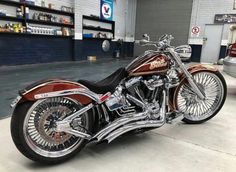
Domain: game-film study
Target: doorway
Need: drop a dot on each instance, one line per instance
(211, 43)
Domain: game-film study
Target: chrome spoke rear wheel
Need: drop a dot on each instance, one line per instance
(40, 127)
(196, 109)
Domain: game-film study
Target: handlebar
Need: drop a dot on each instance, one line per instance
(163, 42)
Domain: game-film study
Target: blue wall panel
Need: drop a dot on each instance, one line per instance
(197, 50)
(196, 53)
(88, 47)
(223, 50)
(29, 49)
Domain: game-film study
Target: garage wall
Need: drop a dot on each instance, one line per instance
(18, 50)
(157, 17)
(70, 49)
(29, 49)
(124, 17)
(204, 13)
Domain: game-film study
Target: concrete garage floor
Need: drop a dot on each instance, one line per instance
(177, 147)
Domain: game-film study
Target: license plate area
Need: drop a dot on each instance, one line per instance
(15, 101)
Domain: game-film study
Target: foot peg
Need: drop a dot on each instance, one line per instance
(172, 116)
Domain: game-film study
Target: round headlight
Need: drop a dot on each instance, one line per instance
(184, 51)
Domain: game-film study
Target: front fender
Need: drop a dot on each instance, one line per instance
(202, 67)
(199, 67)
(56, 87)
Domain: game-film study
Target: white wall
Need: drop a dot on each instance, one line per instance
(83, 7)
(124, 17)
(131, 20)
(203, 13)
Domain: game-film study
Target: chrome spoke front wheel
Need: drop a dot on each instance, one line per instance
(194, 108)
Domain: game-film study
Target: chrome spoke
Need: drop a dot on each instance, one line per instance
(195, 108)
(39, 127)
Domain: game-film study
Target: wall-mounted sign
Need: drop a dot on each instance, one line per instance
(195, 32)
(107, 9)
(225, 18)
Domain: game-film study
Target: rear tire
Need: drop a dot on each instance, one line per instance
(221, 87)
(18, 136)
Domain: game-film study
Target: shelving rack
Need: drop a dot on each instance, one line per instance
(33, 35)
(11, 3)
(10, 18)
(100, 29)
(48, 10)
(41, 22)
(24, 21)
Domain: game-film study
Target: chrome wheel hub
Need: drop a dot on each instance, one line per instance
(47, 127)
(190, 97)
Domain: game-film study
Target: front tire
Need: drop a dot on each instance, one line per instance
(33, 137)
(198, 111)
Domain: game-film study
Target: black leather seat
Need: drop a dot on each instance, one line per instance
(108, 84)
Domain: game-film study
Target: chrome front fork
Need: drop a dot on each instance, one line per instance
(190, 78)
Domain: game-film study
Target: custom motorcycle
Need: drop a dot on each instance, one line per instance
(54, 119)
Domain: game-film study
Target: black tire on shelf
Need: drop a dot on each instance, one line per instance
(17, 123)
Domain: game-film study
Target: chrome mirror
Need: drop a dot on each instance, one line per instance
(143, 42)
(146, 36)
(106, 46)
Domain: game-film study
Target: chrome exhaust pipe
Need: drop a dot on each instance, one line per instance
(133, 126)
(141, 124)
(118, 123)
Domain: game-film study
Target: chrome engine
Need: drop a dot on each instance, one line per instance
(116, 100)
(129, 98)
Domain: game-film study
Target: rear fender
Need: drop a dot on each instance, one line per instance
(56, 88)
